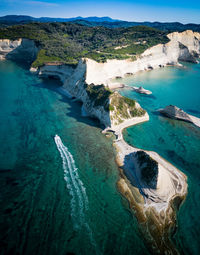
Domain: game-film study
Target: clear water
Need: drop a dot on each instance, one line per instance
(176, 141)
(47, 206)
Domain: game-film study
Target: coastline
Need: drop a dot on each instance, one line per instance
(156, 215)
(154, 209)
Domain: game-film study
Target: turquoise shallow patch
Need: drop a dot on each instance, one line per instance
(176, 141)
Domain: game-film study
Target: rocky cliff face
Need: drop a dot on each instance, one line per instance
(19, 50)
(114, 109)
(98, 101)
(183, 46)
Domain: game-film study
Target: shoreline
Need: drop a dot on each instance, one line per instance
(155, 210)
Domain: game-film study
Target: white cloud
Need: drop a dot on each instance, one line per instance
(41, 3)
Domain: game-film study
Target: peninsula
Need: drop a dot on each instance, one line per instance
(86, 66)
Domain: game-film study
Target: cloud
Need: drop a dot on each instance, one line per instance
(41, 3)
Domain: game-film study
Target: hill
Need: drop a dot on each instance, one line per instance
(68, 42)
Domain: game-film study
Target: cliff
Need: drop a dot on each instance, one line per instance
(18, 50)
(183, 46)
(89, 82)
(79, 81)
(98, 101)
(115, 109)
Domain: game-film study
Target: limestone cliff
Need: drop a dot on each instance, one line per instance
(183, 46)
(115, 109)
(19, 50)
(110, 108)
(98, 101)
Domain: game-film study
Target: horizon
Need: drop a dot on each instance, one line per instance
(85, 17)
(149, 10)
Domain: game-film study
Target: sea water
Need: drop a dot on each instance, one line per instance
(176, 141)
(58, 175)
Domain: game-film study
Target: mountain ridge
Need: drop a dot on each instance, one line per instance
(94, 21)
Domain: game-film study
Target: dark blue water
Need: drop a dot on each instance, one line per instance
(57, 197)
(177, 141)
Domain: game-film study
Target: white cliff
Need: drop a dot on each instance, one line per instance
(21, 49)
(183, 46)
(75, 85)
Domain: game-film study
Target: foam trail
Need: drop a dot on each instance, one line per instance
(79, 201)
(69, 171)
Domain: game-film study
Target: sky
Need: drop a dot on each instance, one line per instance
(139, 10)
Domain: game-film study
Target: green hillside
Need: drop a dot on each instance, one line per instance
(68, 42)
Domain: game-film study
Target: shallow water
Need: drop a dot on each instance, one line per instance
(176, 141)
(47, 206)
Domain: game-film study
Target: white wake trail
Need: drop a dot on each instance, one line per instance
(79, 201)
(72, 184)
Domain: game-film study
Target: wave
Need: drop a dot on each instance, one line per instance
(79, 199)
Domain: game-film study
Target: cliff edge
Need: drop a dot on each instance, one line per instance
(183, 46)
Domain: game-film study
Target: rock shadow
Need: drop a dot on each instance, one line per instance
(75, 105)
(147, 177)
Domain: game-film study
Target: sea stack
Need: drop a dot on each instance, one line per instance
(174, 112)
(141, 90)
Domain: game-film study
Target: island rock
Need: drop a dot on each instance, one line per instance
(174, 112)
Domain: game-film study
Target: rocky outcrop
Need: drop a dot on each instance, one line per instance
(141, 90)
(174, 112)
(18, 50)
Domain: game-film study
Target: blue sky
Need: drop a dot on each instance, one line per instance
(143, 10)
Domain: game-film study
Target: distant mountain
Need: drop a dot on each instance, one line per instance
(167, 26)
(24, 18)
(99, 21)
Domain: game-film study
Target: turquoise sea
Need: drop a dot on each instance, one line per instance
(47, 206)
(58, 194)
(176, 141)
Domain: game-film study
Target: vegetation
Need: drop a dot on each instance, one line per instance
(99, 94)
(68, 42)
(125, 107)
(122, 108)
(149, 168)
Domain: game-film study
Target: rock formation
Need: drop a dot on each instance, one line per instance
(109, 107)
(141, 90)
(19, 50)
(174, 112)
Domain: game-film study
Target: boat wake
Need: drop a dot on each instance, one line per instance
(79, 199)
